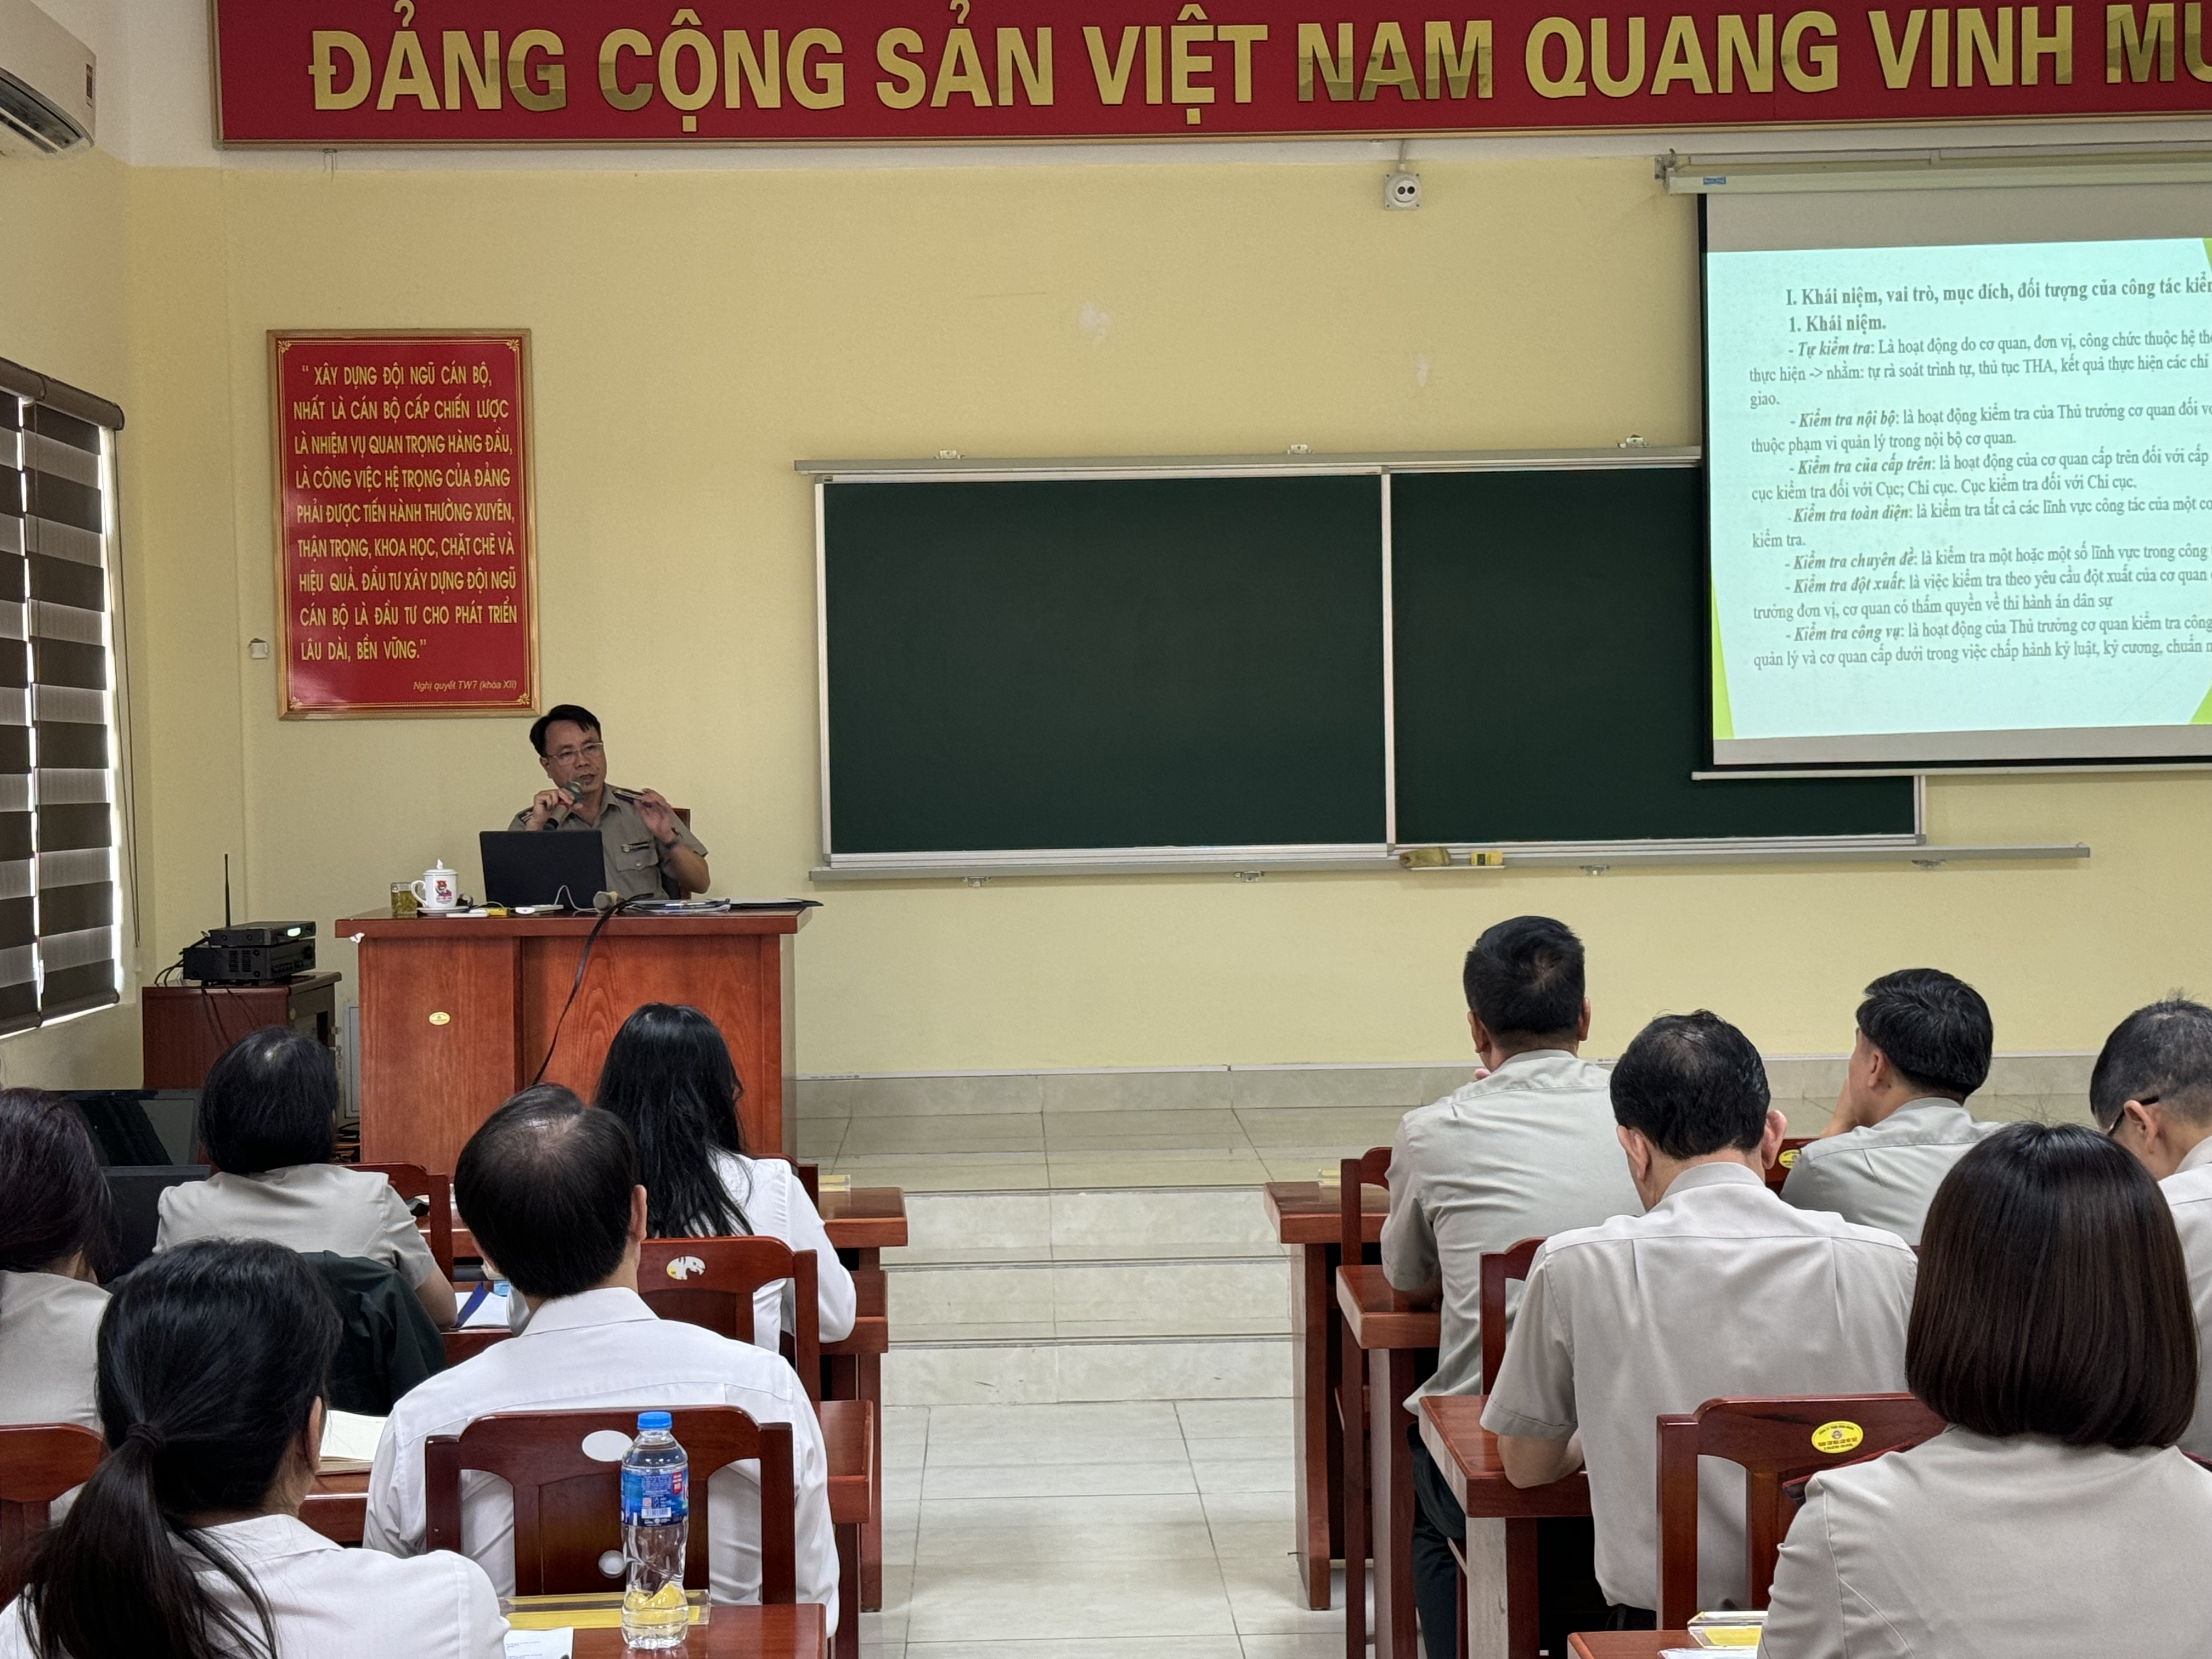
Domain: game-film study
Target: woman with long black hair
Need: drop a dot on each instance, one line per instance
(186, 1542)
(668, 1075)
(54, 1230)
(2051, 1331)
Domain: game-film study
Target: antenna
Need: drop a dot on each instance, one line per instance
(226, 890)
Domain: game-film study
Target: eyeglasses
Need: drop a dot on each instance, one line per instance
(2113, 1130)
(588, 752)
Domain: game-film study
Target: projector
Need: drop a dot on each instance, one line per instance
(252, 953)
(260, 932)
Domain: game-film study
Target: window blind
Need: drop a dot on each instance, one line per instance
(59, 853)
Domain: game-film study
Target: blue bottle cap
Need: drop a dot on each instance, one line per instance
(648, 1421)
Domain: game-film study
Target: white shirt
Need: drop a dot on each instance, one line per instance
(1884, 1175)
(1967, 1547)
(1720, 1289)
(2189, 1191)
(333, 1603)
(1526, 1151)
(773, 1200)
(606, 1349)
(49, 1335)
(303, 1206)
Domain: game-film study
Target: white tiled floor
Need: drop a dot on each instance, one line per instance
(1153, 1529)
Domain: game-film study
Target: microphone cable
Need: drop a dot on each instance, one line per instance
(583, 961)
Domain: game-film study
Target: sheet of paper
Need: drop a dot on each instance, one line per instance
(541, 1644)
(348, 1435)
(490, 1313)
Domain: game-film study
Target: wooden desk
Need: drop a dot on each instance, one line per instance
(1395, 1335)
(185, 1028)
(1621, 1644)
(1466, 1453)
(1305, 1214)
(863, 1222)
(457, 1013)
(781, 1632)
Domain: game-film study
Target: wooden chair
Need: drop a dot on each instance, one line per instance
(1785, 1155)
(1776, 1441)
(412, 1180)
(567, 1502)
(710, 1282)
(1497, 1270)
(1371, 1168)
(38, 1461)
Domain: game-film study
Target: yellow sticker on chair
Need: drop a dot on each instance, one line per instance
(1835, 1439)
(1788, 1159)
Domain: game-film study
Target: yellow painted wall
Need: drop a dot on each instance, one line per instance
(695, 332)
(64, 287)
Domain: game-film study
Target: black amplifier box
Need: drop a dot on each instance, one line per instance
(249, 964)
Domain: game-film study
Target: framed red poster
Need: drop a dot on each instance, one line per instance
(406, 534)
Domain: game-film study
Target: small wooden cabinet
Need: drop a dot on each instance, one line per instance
(186, 1027)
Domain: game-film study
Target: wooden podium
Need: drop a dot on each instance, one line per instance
(456, 1013)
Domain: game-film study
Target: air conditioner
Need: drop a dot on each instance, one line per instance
(46, 84)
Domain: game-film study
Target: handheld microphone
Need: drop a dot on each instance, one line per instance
(575, 792)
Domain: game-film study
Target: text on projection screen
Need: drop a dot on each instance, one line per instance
(1961, 502)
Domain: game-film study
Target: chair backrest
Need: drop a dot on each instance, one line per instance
(38, 1461)
(567, 1493)
(1371, 1168)
(1784, 1155)
(1497, 1269)
(711, 1281)
(412, 1181)
(1777, 1440)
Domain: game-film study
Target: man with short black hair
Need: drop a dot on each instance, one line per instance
(2151, 1091)
(1923, 1045)
(650, 852)
(548, 1188)
(1525, 1149)
(1719, 1288)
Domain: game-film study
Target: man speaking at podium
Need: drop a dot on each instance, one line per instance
(649, 852)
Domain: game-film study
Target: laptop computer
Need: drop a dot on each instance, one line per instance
(539, 866)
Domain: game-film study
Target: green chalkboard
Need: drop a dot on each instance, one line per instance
(1549, 656)
(1103, 663)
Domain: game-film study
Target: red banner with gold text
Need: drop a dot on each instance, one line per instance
(364, 72)
(404, 539)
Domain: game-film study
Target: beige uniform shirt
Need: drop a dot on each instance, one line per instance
(635, 860)
(303, 1206)
(1886, 1174)
(1526, 1151)
(49, 1330)
(1967, 1547)
(328, 1603)
(1720, 1289)
(2189, 1191)
(606, 1349)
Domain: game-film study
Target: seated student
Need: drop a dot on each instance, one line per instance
(1720, 1288)
(549, 1188)
(2051, 1331)
(1526, 1151)
(265, 1117)
(186, 1542)
(2152, 1091)
(1923, 1045)
(669, 1077)
(53, 1224)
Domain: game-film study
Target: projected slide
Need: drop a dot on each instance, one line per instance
(1961, 502)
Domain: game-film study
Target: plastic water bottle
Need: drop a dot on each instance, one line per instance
(656, 1515)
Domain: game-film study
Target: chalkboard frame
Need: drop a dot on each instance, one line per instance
(1251, 861)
